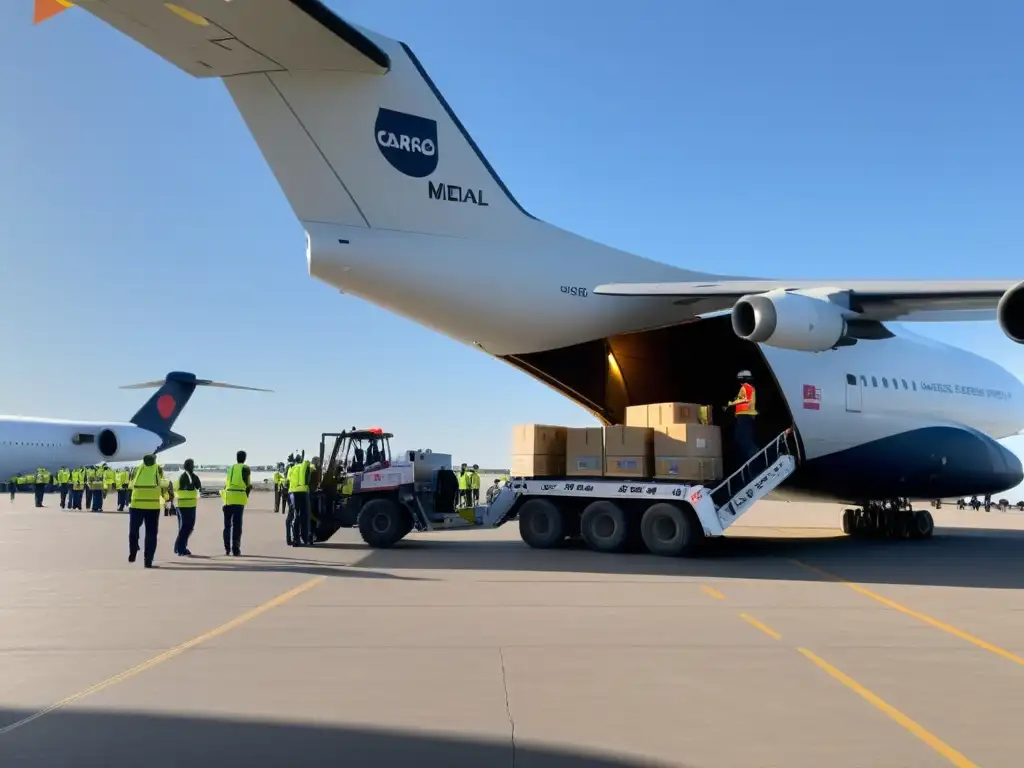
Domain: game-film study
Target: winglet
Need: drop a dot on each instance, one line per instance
(47, 9)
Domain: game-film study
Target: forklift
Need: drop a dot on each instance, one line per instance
(362, 485)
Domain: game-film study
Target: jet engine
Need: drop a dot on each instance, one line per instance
(1010, 313)
(107, 443)
(789, 321)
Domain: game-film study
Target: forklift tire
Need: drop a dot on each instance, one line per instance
(922, 524)
(383, 523)
(604, 527)
(848, 521)
(541, 524)
(669, 531)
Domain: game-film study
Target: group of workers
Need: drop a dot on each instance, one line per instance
(150, 489)
(292, 483)
(92, 483)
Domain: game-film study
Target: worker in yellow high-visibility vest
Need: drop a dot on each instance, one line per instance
(77, 487)
(144, 509)
(121, 482)
(64, 483)
(237, 487)
(189, 486)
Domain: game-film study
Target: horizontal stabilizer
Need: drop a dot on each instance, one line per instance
(163, 408)
(214, 38)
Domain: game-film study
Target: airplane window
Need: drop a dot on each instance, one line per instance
(863, 381)
(874, 382)
(851, 379)
(885, 382)
(915, 385)
(904, 383)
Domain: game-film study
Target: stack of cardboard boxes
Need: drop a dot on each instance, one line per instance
(669, 441)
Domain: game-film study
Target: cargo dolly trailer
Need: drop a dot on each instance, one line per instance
(417, 491)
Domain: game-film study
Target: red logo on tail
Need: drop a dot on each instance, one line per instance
(165, 405)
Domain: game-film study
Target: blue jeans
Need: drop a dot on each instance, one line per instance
(40, 492)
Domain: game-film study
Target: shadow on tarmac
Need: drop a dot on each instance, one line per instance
(110, 739)
(954, 557)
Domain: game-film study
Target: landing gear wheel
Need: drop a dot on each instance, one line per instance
(541, 525)
(383, 523)
(849, 520)
(668, 531)
(604, 527)
(923, 525)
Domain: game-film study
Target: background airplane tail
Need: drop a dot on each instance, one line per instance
(163, 408)
(353, 128)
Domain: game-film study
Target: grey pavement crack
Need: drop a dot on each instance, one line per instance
(508, 707)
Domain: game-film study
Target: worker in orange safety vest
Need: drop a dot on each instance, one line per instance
(745, 404)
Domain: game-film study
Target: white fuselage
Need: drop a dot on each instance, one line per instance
(542, 300)
(27, 444)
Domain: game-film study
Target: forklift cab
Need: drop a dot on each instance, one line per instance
(351, 453)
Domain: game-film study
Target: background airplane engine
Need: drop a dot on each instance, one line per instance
(128, 443)
(789, 321)
(1010, 313)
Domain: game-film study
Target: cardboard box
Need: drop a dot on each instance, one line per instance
(688, 440)
(706, 471)
(534, 465)
(628, 441)
(538, 439)
(627, 466)
(584, 452)
(664, 414)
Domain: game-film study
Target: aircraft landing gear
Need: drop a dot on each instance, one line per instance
(892, 520)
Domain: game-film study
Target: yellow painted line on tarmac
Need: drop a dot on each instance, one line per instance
(712, 591)
(761, 625)
(929, 738)
(1008, 655)
(170, 654)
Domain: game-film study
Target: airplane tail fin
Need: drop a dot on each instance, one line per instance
(47, 9)
(350, 123)
(175, 390)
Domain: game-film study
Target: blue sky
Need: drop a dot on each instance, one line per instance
(794, 139)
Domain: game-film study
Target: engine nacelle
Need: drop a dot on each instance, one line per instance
(789, 321)
(1010, 313)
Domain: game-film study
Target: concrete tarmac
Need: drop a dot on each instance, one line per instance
(786, 644)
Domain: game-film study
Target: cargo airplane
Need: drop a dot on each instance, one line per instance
(27, 444)
(401, 208)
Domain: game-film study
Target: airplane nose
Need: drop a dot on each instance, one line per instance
(1012, 467)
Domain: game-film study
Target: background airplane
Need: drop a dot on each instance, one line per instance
(401, 208)
(27, 444)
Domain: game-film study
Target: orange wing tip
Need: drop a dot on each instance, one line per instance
(47, 9)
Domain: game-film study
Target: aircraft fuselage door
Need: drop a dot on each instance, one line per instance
(853, 394)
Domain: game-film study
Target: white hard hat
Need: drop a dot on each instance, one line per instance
(744, 375)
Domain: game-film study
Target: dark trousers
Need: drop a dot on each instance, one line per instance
(64, 488)
(40, 492)
(233, 527)
(88, 498)
(186, 524)
(136, 519)
(76, 497)
(14, 490)
(97, 501)
(122, 498)
(289, 520)
(300, 519)
(277, 499)
(744, 440)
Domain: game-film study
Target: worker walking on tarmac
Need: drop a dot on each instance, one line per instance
(236, 495)
(64, 483)
(121, 481)
(474, 486)
(278, 486)
(96, 489)
(189, 486)
(298, 522)
(42, 480)
(144, 509)
(745, 404)
(463, 478)
(77, 487)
